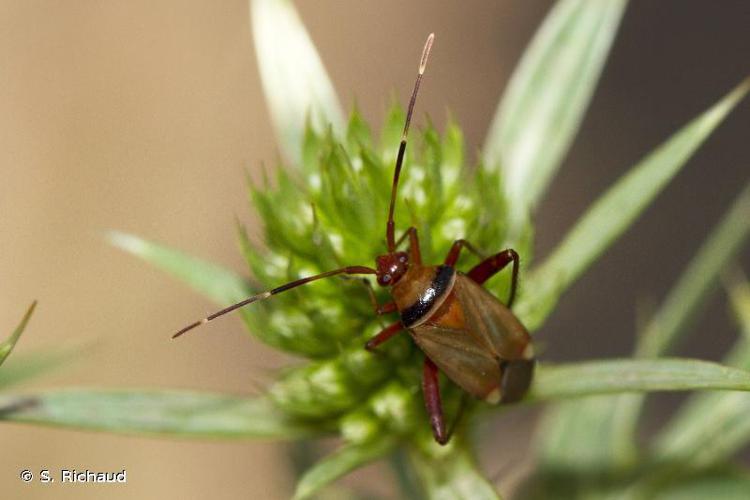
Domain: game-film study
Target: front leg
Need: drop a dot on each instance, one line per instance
(383, 335)
(431, 390)
(379, 309)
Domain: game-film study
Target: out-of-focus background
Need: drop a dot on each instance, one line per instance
(143, 116)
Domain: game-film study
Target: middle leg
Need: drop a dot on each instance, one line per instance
(493, 265)
(379, 309)
(455, 251)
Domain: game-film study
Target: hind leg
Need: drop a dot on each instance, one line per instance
(431, 390)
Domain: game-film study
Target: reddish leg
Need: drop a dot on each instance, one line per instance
(415, 256)
(384, 335)
(431, 390)
(455, 251)
(492, 265)
(386, 308)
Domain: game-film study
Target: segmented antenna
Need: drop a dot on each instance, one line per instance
(269, 293)
(390, 227)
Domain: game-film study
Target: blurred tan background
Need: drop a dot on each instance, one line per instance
(141, 116)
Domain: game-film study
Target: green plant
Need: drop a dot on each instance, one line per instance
(6, 347)
(326, 208)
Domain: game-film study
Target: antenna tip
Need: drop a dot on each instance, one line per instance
(190, 327)
(426, 53)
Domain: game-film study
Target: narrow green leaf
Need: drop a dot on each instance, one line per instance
(26, 366)
(589, 426)
(547, 96)
(709, 428)
(682, 305)
(615, 211)
(701, 276)
(634, 375)
(7, 345)
(296, 85)
(452, 476)
(217, 283)
(707, 431)
(156, 412)
(340, 463)
(602, 430)
(739, 297)
(723, 484)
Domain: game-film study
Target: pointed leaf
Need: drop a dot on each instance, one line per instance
(547, 96)
(615, 211)
(215, 282)
(295, 83)
(7, 345)
(739, 297)
(589, 427)
(452, 476)
(26, 366)
(340, 463)
(634, 375)
(709, 428)
(685, 299)
(724, 484)
(602, 429)
(156, 412)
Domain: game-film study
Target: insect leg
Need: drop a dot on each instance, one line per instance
(492, 265)
(384, 335)
(458, 245)
(431, 390)
(379, 309)
(415, 255)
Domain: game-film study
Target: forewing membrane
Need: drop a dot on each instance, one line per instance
(487, 318)
(464, 360)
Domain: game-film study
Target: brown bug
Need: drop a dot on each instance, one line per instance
(462, 329)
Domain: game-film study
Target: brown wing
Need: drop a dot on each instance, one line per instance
(470, 337)
(487, 318)
(467, 362)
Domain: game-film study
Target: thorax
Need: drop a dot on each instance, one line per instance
(421, 291)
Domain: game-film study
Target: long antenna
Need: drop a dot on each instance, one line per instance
(390, 227)
(282, 288)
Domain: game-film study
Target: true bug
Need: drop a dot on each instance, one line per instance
(461, 328)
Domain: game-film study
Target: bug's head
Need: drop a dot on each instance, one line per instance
(390, 267)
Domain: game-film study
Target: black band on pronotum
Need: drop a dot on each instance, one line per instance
(424, 303)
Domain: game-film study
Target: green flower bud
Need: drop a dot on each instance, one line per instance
(360, 426)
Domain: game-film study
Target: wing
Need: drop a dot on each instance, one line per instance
(487, 318)
(467, 362)
(478, 343)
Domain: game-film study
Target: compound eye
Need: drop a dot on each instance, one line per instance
(402, 258)
(386, 278)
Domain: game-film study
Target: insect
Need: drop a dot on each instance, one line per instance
(461, 328)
